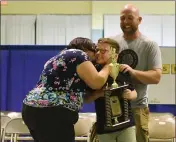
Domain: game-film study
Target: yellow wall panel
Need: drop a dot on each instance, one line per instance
(166, 68)
(173, 68)
(96, 8)
(47, 7)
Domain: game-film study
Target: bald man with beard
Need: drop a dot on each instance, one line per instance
(148, 69)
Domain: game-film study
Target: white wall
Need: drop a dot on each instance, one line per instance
(44, 29)
(164, 92)
(161, 28)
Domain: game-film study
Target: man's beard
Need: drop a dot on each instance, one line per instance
(130, 32)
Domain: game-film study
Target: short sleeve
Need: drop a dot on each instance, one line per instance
(81, 57)
(74, 57)
(154, 56)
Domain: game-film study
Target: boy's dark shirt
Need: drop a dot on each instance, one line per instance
(100, 102)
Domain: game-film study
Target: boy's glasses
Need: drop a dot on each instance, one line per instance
(102, 51)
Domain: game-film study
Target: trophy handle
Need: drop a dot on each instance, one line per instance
(108, 108)
(126, 111)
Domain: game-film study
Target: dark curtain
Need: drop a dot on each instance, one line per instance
(20, 67)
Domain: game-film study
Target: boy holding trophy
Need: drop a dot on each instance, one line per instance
(114, 120)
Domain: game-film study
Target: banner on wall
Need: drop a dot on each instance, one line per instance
(173, 68)
(20, 67)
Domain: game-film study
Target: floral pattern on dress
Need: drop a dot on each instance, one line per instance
(59, 83)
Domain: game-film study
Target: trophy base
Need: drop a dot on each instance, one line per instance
(117, 126)
(111, 88)
(116, 109)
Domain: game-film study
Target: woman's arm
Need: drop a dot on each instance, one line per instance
(93, 95)
(94, 79)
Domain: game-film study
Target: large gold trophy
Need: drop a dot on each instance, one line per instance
(114, 101)
(117, 109)
(113, 98)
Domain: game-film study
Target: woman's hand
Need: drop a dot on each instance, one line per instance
(92, 96)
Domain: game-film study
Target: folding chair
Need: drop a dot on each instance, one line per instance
(93, 134)
(4, 120)
(16, 127)
(14, 115)
(4, 112)
(82, 128)
(161, 127)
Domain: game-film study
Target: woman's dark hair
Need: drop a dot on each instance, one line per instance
(82, 43)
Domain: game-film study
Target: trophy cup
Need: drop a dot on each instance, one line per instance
(116, 107)
(115, 67)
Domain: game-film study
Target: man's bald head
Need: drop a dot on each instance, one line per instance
(130, 19)
(130, 9)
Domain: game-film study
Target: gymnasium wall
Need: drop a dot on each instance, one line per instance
(97, 9)
(47, 7)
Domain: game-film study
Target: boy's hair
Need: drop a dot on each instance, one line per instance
(111, 42)
(82, 43)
